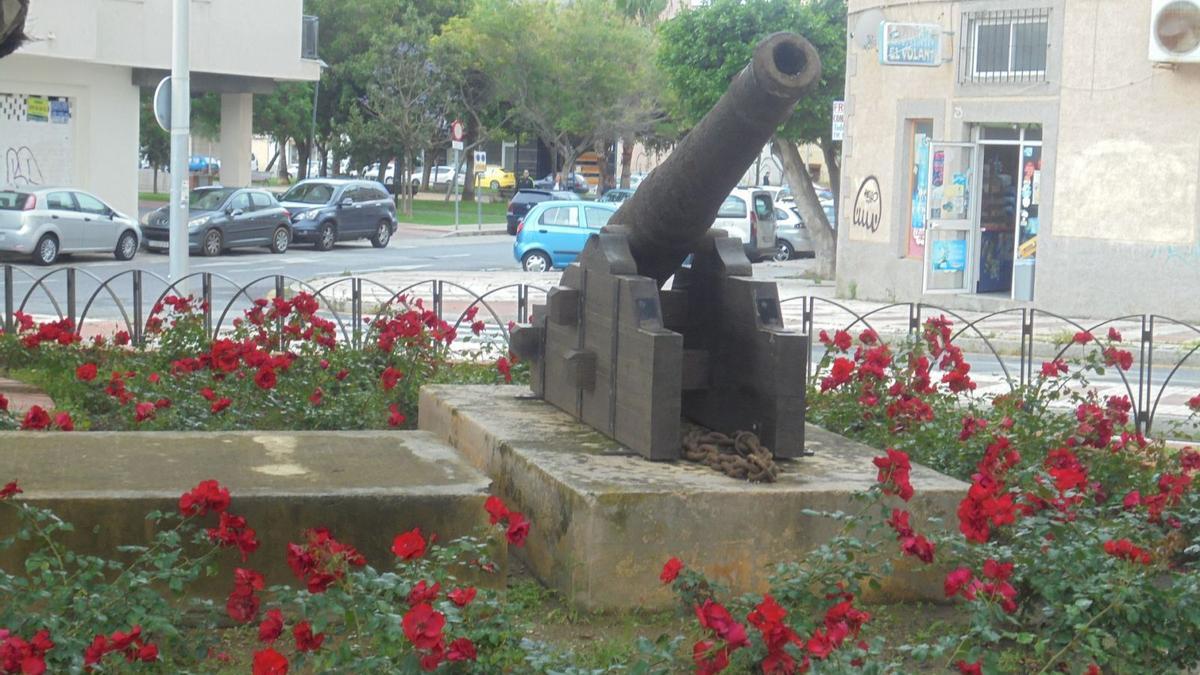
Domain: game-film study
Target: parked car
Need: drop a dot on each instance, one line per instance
(221, 218)
(203, 163)
(553, 233)
(496, 178)
(636, 179)
(442, 174)
(328, 210)
(44, 222)
(749, 215)
(785, 194)
(616, 195)
(791, 235)
(524, 200)
(575, 182)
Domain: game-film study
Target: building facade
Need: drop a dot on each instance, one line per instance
(1005, 153)
(69, 98)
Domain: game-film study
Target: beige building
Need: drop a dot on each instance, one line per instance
(1037, 153)
(69, 98)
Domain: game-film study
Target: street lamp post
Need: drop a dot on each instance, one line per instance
(180, 143)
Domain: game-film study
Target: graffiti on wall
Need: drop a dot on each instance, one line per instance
(868, 205)
(21, 167)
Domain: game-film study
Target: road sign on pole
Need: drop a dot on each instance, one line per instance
(162, 104)
(456, 131)
(181, 135)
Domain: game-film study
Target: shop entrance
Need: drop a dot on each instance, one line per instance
(1010, 190)
(982, 212)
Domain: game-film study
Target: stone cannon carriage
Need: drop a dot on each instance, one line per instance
(632, 359)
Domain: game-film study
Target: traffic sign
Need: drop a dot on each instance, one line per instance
(457, 145)
(162, 104)
(456, 131)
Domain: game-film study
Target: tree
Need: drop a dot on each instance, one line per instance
(700, 51)
(407, 96)
(569, 77)
(286, 114)
(153, 142)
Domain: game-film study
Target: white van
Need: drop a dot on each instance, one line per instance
(749, 215)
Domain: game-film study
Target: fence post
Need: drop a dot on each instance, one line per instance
(137, 308)
(437, 297)
(356, 311)
(206, 301)
(9, 326)
(1026, 345)
(71, 297)
(1146, 375)
(522, 304)
(914, 319)
(279, 319)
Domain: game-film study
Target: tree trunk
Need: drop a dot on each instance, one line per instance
(156, 178)
(271, 163)
(467, 167)
(283, 165)
(304, 152)
(324, 160)
(627, 142)
(795, 172)
(833, 164)
(602, 153)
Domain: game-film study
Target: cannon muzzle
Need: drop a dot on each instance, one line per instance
(677, 203)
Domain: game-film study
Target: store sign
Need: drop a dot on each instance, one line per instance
(839, 121)
(910, 44)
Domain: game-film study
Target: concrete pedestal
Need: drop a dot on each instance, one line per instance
(605, 520)
(365, 486)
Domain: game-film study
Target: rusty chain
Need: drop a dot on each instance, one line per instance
(743, 456)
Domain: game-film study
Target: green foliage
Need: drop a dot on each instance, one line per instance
(702, 49)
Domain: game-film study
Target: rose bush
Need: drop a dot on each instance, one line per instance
(281, 367)
(77, 613)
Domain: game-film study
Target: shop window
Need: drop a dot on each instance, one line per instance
(1004, 46)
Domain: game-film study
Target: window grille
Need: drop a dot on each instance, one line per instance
(1004, 47)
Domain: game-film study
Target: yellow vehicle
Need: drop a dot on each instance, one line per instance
(496, 178)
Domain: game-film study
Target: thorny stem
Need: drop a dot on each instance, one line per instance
(1079, 633)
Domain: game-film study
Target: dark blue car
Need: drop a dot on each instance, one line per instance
(326, 211)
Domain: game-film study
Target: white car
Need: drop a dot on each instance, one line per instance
(43, 222)
(791, 236)
(749, 215)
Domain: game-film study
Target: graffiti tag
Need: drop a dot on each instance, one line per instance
(868, 205)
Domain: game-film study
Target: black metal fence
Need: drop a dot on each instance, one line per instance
(1013, 342)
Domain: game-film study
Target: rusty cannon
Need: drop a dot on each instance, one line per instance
(633, 359)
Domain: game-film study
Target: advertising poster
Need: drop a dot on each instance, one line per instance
(948, 255)
(920, 196)
(38, 109)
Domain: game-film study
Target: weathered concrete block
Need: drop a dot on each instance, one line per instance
(365, 486)
(605, 520)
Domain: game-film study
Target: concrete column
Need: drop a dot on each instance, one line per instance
(237, 128)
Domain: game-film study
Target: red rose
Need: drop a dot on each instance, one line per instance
(147, 653)
(461, 649)
(1082, 338)
(208, 495)
(269, 662)
(396, 418)
(271, 627)
(423, 593)
(1054, 368)
(410, 545)
(462, 596)
(220, 404)
(423, 626)
(505, 368)
(969, 668)
(1114, 334)
(208, 394)
(670, 570)
(121, 338)
(341, 375)
(316, 396)
(496, 509)
(518, 529)
(390, 377)
(9, 490)
(708, 658)
(478, 327)
(956, 580)
(86, 372)
(997, 570)
(242, 605)
(36, 419)
(305, 640)
(63, 421)
(153, 378)
(265, 378)
(894, 470)
(144, 411)
(163, 403)
(3, 402)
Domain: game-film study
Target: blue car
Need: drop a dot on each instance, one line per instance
(553, 233)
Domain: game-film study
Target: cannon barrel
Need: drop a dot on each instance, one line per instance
(677, 203)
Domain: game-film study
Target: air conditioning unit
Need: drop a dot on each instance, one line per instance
(1175, 31)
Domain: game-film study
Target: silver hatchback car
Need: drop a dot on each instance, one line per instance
(44, 222)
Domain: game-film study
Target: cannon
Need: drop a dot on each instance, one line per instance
(618, 351)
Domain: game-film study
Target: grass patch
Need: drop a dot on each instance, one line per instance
(440, 212)
(154, 196)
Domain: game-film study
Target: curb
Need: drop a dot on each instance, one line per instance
(475, 233)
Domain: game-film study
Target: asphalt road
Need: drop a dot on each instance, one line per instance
(409, 250)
